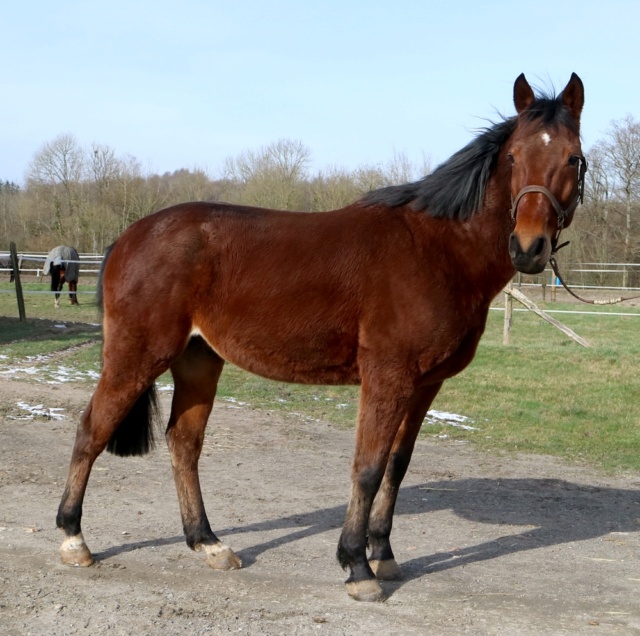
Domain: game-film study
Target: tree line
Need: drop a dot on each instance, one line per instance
(86, 196)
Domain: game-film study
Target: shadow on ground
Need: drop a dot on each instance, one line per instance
(553, 512)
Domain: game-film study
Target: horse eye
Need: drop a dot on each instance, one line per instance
(573, 160)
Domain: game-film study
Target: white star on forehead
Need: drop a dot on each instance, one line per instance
(546, 138)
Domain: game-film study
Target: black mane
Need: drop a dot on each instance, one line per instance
(455, 189)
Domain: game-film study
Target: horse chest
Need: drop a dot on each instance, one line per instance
(438, 363)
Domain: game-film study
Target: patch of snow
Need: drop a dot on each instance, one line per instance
(451, 419)
(234, 400)
(40, 410)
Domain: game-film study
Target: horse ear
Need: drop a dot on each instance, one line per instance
(522, 94)
(573, 96)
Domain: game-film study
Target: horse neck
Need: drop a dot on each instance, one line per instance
(492, 226)
(477, 249)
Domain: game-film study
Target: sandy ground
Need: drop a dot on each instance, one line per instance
(488, 544)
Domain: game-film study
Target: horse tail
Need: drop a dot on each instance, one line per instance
(135, 434)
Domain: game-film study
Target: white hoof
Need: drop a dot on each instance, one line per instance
(220, 557)
(368, 591)
(74, 551)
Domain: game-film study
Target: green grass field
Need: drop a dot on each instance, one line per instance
(542, 394)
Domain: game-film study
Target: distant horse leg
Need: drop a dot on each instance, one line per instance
(195, 374)
(57, 281)
(381, 559)
(73, 292)
(383, 404)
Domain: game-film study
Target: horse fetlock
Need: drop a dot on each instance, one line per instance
(220, 556)
(367, 590)
(74, 551)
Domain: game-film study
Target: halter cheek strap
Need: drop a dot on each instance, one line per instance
(560, 213)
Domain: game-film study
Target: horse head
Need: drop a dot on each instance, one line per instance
(547, 171)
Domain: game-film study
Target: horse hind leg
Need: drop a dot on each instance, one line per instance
(381, 558)
(73, 292)
(57, 281)
(119, 416)
(195, 375)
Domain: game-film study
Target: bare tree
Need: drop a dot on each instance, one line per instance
(60, 161)
(621, 159)
(189, 185)
(9, 198)
(271, 176)
(333, 188)
(104, 167)
(58, 167)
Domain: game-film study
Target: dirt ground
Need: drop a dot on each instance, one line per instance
(488, 544)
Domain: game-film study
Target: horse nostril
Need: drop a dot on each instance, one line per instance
(514, 246)
(538, 247)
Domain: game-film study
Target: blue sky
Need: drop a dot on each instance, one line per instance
(187, 84)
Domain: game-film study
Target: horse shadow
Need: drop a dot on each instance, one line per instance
(552, 511)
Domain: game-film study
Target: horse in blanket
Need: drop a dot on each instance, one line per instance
(63, 265)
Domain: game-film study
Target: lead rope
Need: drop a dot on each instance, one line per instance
(556, 271)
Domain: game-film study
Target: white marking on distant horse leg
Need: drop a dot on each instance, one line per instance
(220, 556)
(546, 138)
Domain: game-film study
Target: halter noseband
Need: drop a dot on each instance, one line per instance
(560, 213)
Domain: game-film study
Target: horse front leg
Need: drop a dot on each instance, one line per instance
(383, 403)
(381, 558)
(195, 375)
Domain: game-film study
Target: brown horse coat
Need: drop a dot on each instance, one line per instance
(392, 292)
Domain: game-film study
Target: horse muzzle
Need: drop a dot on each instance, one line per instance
(534, 258)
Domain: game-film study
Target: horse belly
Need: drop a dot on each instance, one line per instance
(314, 357)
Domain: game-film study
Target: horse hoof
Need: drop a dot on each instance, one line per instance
(368, 590)
(221, 557)
(74, 551)
(387, 570)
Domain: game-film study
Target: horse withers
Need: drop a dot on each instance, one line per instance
(391, 292)
(63, 265)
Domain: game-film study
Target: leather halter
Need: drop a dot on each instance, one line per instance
(560, 213)
(582, 170)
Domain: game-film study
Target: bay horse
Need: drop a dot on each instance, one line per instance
(63, 265)
(390, 293)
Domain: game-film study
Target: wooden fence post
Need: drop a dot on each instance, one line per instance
(16, 278)
(508, 314)
(529, 304)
